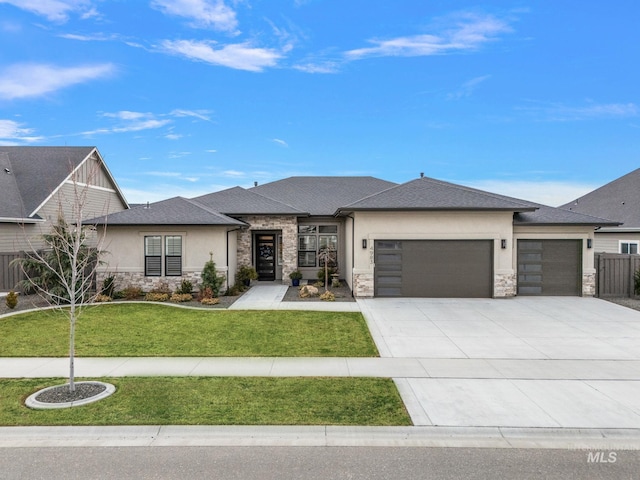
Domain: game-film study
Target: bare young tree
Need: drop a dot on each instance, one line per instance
(327, 258)
(62, 268)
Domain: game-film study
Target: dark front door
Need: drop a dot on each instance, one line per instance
(266, 257)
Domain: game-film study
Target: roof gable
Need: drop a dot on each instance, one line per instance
(321, 195)
(618, 200)
(37, 173)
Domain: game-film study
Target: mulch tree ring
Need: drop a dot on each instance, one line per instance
(59, 396)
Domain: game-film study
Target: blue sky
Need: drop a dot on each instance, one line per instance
(534, 99)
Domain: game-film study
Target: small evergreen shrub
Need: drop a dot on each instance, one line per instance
(210, 278)
(636, 279)
(12, 300)
(185, 287)
(108, 286)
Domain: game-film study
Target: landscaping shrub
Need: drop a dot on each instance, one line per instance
(636, 278)
(185, 287)
(210, 301)
(162, 287)
(156, 297)
(210, 278)
(131, 293)
(12, 300)
(328, 296)
(100, 298)
(181, 297)
(108, 286)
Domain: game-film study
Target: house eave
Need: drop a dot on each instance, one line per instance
(347, 211)
(21, 220)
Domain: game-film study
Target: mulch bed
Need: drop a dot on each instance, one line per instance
(61, 394)
(342, 293)
(633, 303)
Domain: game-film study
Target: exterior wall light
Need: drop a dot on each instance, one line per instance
(364, 243)
(589, 243)
(503, 243)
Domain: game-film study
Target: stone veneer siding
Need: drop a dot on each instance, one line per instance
(588, 284)
(286, 224)
(363, 285)
(138, 279)
(504, 285)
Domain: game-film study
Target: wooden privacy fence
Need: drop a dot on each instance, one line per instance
(10, 275)
(615, 274)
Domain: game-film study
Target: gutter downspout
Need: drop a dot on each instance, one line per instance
(353, 251)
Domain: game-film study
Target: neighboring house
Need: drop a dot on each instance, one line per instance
(37, 184)
(423, 238)
(618, 200)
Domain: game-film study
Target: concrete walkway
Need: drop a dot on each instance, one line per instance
(458, 365)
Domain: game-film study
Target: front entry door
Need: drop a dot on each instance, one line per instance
(266, 257)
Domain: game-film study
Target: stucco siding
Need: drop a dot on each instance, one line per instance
(449, 225)
(124, 252)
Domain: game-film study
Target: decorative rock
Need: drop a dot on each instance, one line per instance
(308, 291)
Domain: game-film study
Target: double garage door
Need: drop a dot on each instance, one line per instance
(464, 268)
(434, 268)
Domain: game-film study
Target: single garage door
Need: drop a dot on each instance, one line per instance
(434, 268)
(549, 267)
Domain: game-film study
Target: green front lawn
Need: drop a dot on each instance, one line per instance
(217, 401)
(148, 330)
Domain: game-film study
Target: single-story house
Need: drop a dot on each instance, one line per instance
(618, 200)
(37, 184)
(422, 238)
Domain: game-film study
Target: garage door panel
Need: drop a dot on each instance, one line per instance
(434, 268)
(549, 267)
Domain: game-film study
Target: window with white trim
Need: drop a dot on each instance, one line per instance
(153, 255)
(173, 256)
(629, 246)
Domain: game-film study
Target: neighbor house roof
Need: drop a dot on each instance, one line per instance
(173, 211)
(618, 200)
(546, 215)
(321, 195)
(239, 201)
(431, 194)
(31, 175)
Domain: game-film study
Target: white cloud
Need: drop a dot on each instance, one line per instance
(469, 32)
(280, 142)
(11, 132)
(55, 10)
(241, 56)
(203, 13)
(560, 112)
(173, 136)
(130, 122)
(201, 114)
(553, 193)
(320, 67)
(467, 88)
(234, 174)
(35, 79)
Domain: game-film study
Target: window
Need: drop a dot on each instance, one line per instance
(312, 239)
(629, 246)
(153, 256)
(172, 255)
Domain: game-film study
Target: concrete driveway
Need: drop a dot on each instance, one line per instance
(560, 362)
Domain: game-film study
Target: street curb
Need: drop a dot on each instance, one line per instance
(321, 436)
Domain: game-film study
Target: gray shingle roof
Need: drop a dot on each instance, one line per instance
(431, 194)
(37, 172)
(618, 200)
(173, 211)
(546, 215)
(238, 201)
(321, 195)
